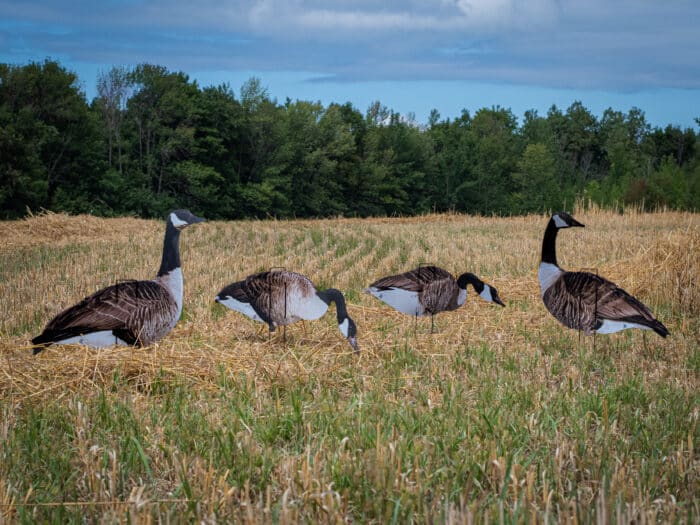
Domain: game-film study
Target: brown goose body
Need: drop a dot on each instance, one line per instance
(585, 301)
(429, 290)
(588, 302)
(130, 312)
(282, 297)
(435, 290)
(134, 312)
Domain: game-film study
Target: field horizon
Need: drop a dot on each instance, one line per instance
(501, 415)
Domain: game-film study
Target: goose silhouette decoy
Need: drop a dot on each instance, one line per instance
(429, 290)
(129, 312)
(585, 301)
(282, 297)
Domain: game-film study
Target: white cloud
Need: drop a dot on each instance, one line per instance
(325, 19)
(479, 16)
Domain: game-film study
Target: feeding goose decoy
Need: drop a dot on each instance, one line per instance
(282, 297)
(429, 290)
(583, 300)
(129, 312)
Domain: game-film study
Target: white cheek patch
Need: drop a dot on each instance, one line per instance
(559, 222)
(344, 327)
(176, 221)
(486, 293)
(609, 327)
(238, 306)
(547, 274)
(101, 339)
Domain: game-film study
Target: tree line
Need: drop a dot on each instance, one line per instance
(153, 140)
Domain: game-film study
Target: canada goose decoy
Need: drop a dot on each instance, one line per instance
(130, 312)
(585, 301)
(281, 297)
(429, 290)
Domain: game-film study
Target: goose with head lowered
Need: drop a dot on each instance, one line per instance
(129, 312)
(586, 301)
(282, 297)
(429, 290)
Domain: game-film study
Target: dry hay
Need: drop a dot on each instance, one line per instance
(664, 269)
(649, 255)
(672, 267)
(233, 346)
(58, 228)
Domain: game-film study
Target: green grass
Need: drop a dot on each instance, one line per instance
(383, 438)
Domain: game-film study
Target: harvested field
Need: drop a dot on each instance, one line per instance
(503, 414)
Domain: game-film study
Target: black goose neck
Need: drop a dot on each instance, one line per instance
(549, 243)
(171, 250)
(470, 278)
(333, 295)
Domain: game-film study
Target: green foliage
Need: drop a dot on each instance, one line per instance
(668, 186)
(48, 140)
(536, 179)
(152, 140)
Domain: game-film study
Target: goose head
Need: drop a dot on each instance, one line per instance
(348, 328)
(490, 294)
(564, 220)
(181, 219)
(485, 291)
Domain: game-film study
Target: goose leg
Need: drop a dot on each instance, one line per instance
(432, 323)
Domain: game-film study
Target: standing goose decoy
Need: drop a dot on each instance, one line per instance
(281, 297)
(130, 312)
(429, 290)
(585, 301)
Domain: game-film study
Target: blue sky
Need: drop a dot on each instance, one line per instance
(412, 55)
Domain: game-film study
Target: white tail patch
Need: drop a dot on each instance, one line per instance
(547, 274)
(101, 339)
(238, 306)
(402, 300)
(609, 326)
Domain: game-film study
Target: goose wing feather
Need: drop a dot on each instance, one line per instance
(266, 292)
(440, 294)
(583, 300)
(414, 280)
(279, 294)
(127, 308)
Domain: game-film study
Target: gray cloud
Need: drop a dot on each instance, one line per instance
(626, 45)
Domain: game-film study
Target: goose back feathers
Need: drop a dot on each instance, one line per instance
(585, 301)
(283, 297)
(130, 312)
